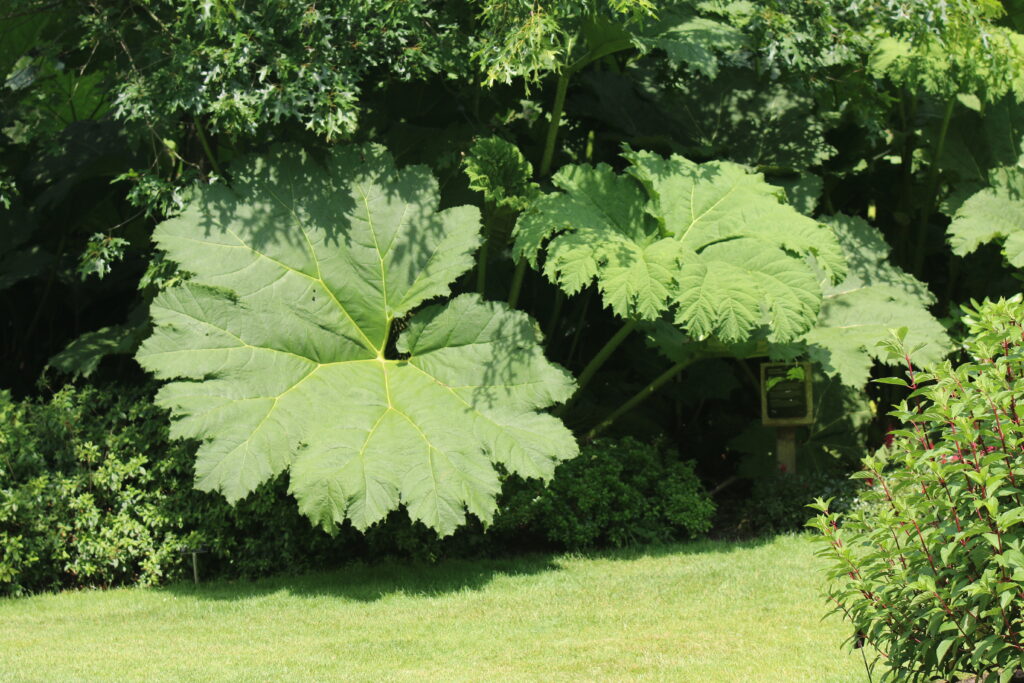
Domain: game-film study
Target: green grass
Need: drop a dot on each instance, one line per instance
(706, 611)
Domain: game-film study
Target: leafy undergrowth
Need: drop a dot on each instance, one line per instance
(704, 611)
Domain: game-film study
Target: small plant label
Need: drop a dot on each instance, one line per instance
(786, 404)
(786, 394)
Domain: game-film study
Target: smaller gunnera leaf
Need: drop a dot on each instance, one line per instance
(279, 346)
(996, 212)
(499, 171)
(874, 298)
(713, 241)
(704, 204)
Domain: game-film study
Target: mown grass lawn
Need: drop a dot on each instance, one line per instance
(705, 611)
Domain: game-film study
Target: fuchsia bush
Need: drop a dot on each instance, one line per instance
(929, 566)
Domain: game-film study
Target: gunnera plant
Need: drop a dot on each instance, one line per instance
(930, 568)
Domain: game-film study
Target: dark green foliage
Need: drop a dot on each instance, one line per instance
(740, 116)
(615, 493)
(930, 567)
(93, 493)
(778, 502)
(246, 65)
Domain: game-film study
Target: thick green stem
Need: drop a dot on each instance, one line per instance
(596, 362)
(545, 169)
(639, 397)
(517, 282)
(560, 90)
(932, 200)
(602, 356)
(554, 124)
(201, 134)
(556, 312)
(552, 136)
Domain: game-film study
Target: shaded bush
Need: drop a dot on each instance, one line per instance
(615, 493)
(87, 492)
(778, 502)
(93, 493)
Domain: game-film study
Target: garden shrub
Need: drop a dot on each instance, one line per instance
(615, 493)
(778, 502)
(93, 493)
(85, 481)
(930, 569)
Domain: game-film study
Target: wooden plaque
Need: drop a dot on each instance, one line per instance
(788, 401)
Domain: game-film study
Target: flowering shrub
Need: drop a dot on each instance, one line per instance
(930, 570)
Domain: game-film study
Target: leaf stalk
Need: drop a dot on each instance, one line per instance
(640, 396)
(552, 136)
(207, 150)
(597, 361)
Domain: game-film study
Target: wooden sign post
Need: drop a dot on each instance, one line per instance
(786, 403)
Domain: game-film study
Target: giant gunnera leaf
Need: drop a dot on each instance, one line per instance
(712, 242)
(283, 352)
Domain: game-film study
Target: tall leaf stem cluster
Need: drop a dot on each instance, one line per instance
(554, 124)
